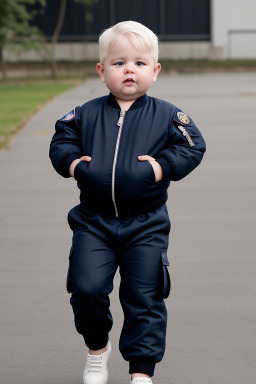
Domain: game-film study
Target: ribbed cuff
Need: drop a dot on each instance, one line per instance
(94, 343)
(142, 366)
(66, 162)
(167, 171)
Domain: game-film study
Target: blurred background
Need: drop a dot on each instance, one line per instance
(68, 29)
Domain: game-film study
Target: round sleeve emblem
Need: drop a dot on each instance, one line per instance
(183, 118)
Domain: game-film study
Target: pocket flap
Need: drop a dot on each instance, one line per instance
(165, 258)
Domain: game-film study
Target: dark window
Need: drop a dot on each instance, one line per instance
(188, 19)
(172, 20)
(143, 11)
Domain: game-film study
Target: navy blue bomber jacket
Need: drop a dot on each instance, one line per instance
(115, 181)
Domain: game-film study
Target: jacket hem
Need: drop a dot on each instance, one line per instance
(125, 210)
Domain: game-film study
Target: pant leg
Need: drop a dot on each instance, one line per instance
(92, 267)
(145, 283)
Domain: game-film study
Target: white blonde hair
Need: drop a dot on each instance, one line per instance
(139, 35)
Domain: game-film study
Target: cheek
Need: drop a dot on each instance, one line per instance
(146, 79)
(114, 79)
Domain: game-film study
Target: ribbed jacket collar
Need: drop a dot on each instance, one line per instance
(140, 102)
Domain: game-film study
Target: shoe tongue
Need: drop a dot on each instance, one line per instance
(143, 380)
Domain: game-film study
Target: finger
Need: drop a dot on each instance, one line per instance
(145, 157)
(85, 158)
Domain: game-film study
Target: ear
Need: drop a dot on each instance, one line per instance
(100, 70)
(157, 69)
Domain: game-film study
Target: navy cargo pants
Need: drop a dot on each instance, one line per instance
(138, 245)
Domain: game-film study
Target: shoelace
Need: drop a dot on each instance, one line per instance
(94, 363)
(142, 380)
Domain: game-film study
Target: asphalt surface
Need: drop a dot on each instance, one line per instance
(211, 333)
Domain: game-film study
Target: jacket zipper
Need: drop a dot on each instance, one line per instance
(120, 124)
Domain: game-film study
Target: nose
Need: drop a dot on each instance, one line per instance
(129, 68)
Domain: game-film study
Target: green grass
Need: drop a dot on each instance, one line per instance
(19, 100)
(84, 69)
(206, 62)
(208, 65)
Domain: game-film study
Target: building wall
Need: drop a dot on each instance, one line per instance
(183, 27)
(234, 28)
(229, 30)
(89, 51)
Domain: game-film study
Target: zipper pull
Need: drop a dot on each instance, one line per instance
(121, 118)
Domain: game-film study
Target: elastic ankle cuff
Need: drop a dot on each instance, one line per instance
(142, 366)
(96, 344)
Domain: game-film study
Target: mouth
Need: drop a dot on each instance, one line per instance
(129, 81)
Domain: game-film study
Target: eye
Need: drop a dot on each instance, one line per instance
(140, 63)
(119, 64)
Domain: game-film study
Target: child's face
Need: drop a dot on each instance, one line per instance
(128, 72)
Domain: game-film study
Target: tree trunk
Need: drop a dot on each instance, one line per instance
(2, 62)
(55, 37)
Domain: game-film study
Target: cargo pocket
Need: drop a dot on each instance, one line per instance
(166, 281)
(68, 282)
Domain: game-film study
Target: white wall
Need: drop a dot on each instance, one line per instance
(234, 15)
(89, 51)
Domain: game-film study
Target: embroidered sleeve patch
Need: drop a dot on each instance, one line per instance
(69, 116)
(182, 118)
(186, 135)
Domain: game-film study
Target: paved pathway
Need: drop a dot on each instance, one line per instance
(212, 308)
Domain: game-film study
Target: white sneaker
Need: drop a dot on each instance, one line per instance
(141, 380)
(96, 371)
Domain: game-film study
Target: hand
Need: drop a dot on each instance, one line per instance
(156, 166)
(75, 162)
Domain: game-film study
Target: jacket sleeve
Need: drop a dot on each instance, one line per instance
(184, 148)
(65, 146)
